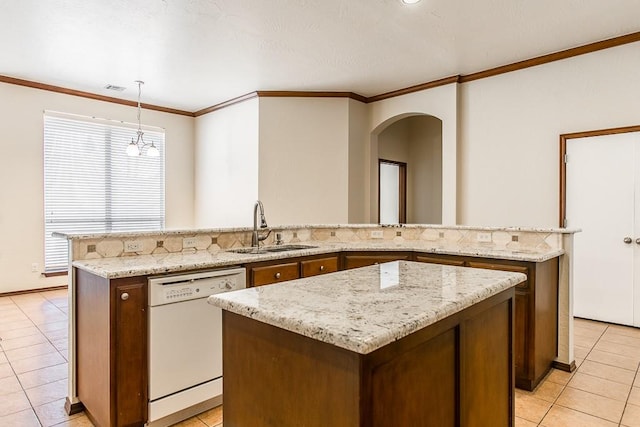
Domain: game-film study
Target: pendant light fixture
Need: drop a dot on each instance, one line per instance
(135, 147)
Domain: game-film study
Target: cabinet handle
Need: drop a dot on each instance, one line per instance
(322, 266)
(124, 296)
(627, 240)
(277, 275)
(638, 241)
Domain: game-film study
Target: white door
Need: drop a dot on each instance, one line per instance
(602, 190)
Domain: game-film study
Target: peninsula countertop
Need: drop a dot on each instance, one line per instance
(142, 265)
(367, 308)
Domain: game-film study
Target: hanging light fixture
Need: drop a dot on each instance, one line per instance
(135, 147)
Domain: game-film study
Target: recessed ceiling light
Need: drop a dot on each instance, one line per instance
(410, 1)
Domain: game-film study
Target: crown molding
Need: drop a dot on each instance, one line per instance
(532, 62)
(89, 95)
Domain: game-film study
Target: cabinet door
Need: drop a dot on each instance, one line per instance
(274, 273)
(356, 260)
(131, 352)
(314, 267)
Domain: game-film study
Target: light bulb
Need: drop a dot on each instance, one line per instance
(152, 151)
(132, 149)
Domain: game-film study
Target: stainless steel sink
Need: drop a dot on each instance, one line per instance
(269, 249)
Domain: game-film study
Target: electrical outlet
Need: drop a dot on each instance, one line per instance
(484, 237)
(133, 246)
(377, 234)
(34, 267)
(188, 242)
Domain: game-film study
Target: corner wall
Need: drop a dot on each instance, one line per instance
(304, 160)
(226, 166)
(22, 174)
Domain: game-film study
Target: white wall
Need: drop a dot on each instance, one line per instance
(509, 145)
(21, 174)
(226, 166)
(440, 102)
(304, 160)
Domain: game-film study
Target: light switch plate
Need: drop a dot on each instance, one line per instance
(132, 246)
(484, 237)
(188, 242)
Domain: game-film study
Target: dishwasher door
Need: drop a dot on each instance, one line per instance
(184, 346)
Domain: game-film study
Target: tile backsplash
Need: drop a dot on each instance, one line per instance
(510, 239)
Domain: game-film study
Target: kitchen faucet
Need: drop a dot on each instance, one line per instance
(256, 238)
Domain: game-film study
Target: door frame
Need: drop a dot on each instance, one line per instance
(563, 161)
(402, 191)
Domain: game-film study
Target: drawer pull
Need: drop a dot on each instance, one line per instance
(322, 268)
(277, 275)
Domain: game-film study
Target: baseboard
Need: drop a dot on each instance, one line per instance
(33, 291)
(72, 408)
(567, 367)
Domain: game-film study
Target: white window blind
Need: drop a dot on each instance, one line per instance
(92, 186)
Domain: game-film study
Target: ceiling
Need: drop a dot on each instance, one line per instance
(196, 53)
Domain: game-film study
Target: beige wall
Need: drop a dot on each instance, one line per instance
(509, 144)
(21, 174)
(425, 178)
(226, 166)
(358, 149)
(440, 102)
(304, 160)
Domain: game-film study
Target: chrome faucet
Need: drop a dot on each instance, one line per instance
(256, 238)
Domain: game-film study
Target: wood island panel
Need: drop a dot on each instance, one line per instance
(458, 371)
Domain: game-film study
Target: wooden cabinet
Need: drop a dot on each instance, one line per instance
(536, 312)
(362, 259)
(273, 273)
(269, 272)
(315, 267)
(455, 372)
(111, 349)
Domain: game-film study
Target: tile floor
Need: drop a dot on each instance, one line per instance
(603, 391)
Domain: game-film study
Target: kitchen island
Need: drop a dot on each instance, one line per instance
(399, 343)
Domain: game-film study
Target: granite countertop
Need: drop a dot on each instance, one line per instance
(367, 308)
(143, 265)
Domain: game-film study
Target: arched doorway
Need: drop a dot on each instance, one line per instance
(416, 141)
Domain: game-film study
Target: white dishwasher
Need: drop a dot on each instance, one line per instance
(185, 343)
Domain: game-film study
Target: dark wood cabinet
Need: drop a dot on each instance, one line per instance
(363, 259)
(111, 349)
(269, 272)
(315, 267)
(536, 312)
(273, 273)
(455, 372)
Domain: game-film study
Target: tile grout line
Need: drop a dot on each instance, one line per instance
(626, 403)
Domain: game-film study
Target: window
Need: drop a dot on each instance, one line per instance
(92, 186)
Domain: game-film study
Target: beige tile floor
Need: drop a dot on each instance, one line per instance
(603, 391)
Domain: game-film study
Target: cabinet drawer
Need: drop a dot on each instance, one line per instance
(503, 267)
(274, 273)
(355, 261)
(315, 267)
(439, 260)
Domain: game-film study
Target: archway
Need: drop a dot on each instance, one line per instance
(415, 140)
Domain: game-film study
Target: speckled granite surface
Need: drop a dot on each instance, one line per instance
(367, 308)
(142, 265)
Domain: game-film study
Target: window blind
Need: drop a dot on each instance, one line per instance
(92, 186)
